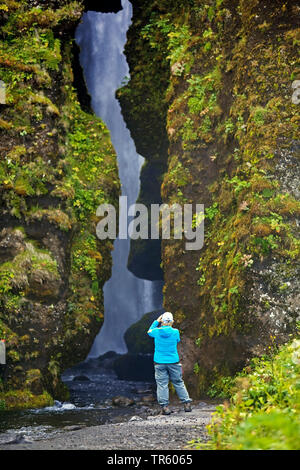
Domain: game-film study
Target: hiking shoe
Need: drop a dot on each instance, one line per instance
(187, 407)
(166, 410)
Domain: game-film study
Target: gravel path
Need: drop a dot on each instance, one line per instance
(157, 432)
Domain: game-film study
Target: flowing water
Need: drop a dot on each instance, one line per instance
(91, 389)
(101, 37)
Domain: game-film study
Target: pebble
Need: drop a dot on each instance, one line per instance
(136, 418)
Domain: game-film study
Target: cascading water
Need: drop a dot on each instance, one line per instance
(101, 37)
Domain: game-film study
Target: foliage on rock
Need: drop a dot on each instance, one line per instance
(223, 72)
(57, 165)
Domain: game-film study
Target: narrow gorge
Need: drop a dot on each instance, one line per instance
(198, 108)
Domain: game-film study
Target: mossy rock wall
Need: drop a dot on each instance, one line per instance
(215, 79)
(57, 165)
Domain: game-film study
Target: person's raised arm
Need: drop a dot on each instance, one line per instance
(155, 324)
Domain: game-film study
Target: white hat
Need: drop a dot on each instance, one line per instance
(167, 317)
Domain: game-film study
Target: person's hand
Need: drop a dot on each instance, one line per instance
(159, 319)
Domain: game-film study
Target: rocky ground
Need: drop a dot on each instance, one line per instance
(150, 431)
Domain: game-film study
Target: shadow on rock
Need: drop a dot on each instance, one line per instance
(137, 367)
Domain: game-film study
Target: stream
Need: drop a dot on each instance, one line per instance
(92, 388)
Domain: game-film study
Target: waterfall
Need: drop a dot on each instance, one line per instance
(101, 38)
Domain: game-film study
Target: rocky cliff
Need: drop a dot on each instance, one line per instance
(57, 165)
(210, 105)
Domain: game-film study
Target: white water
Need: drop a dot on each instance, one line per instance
(101, 37)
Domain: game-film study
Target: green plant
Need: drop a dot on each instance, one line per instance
(238, 184)
(202, 92)
(5, 278)
(259, 115)
(266, 244)
(188, 132)
(229, 126)
(212, 211)
(221, 388)
(176, 35)
(2, 402)
(263, 412)
(274, 431)
(85, 256)
(234, 290)
(201, 280)
(178, 174)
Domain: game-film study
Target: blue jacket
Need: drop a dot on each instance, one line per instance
(165, 343)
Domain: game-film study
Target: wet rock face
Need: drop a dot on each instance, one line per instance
(275, 300)
(137, 367)
(52, 266)
(136, 338)
(230, 148)
(287, 169)
(11, 243)
(275, 291)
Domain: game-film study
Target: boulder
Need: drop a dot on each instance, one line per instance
(106, 360)
(136, 338)
(122, 401)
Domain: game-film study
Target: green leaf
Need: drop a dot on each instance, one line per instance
(267, 192)
(249, 402)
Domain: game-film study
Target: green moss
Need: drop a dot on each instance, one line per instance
(229, 117)
(24, 399)
(57, 165)
(178, 174)
(29, 260)
(136, 338)
(24, 19)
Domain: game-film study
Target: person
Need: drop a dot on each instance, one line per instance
(166, 362)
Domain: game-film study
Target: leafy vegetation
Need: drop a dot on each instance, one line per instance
(263, 412)
(57, 165)
(211, 75)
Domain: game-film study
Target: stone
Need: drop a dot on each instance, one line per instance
(122, 401)
(136, 338)
(135, 418)
(81, 378)
(148, 399)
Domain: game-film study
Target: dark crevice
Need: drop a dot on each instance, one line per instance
(79, 82)
(103, 6)
(145, 255)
